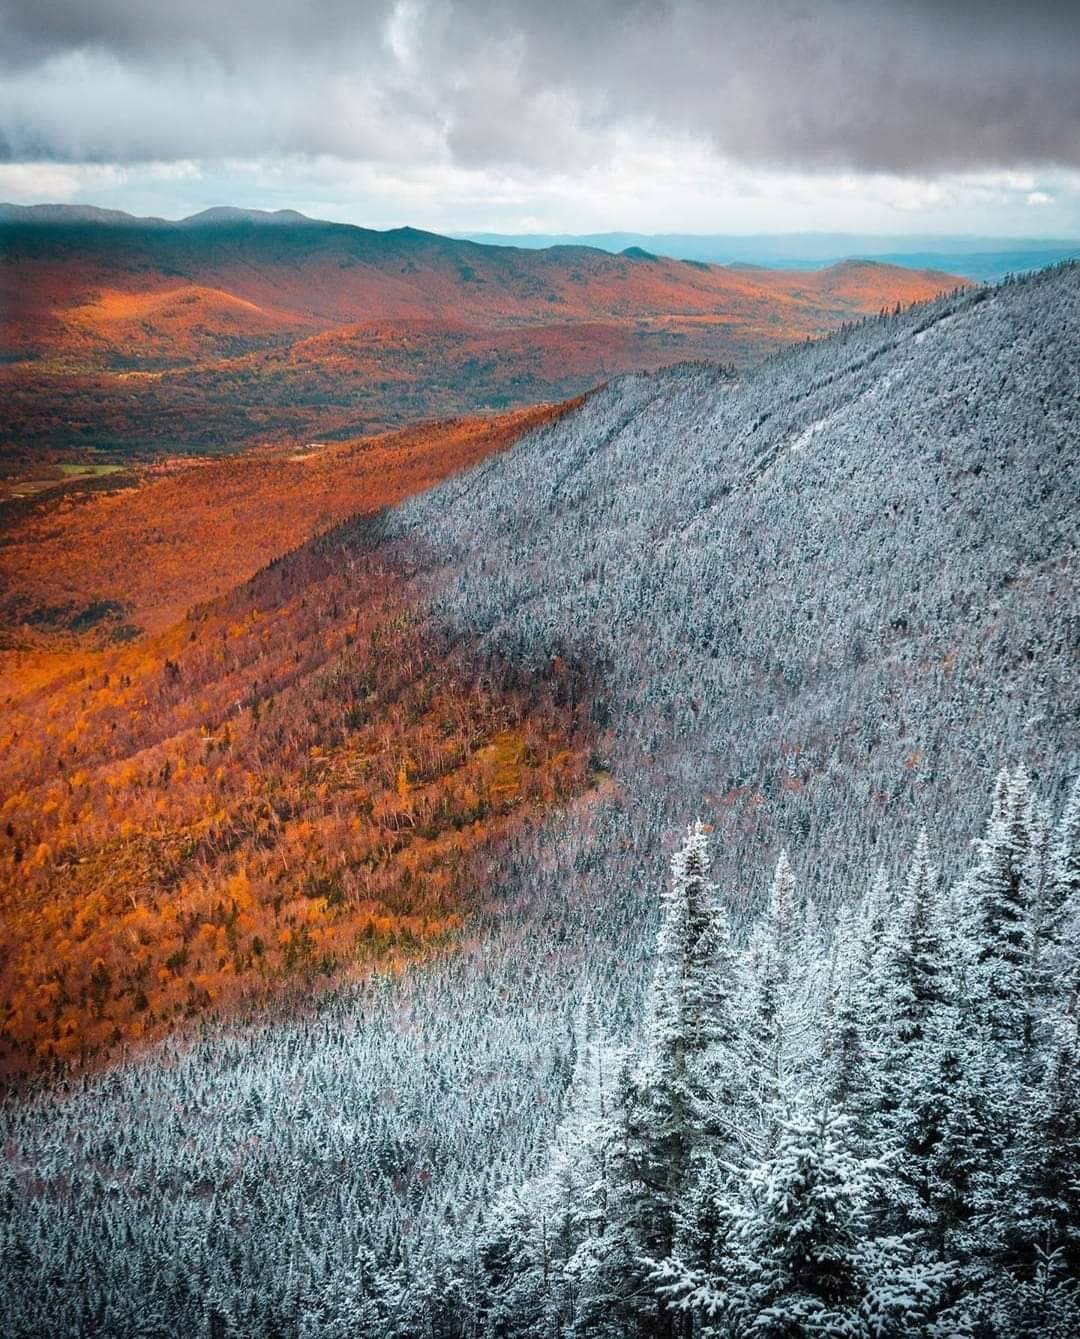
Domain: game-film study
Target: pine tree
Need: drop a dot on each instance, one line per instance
(910, 1011)
(846, 1046)
(806, 1254)
(940, 1150)
(1060, 920)
(999, 895)
(914, 969)
(685, 1095)
(773, 1024)
(552, 1253)
(1047, 1203)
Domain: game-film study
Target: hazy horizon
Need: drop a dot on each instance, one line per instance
(983, 238)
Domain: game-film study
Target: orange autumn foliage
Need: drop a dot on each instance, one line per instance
(285, 785)
(289, 783)
(195, 528)
(174, 337)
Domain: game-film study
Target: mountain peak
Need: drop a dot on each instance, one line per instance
(231, 214)
(10, 213)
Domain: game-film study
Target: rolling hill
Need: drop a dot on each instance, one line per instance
(233, 327)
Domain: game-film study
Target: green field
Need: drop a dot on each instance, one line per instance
(96, 471)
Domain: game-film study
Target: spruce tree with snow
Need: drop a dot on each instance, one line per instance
(1045, 1212)
(802, 1254)
(687, 1019)
(551, 1253)
(913, 1014)
(1002, 898)
(914, 967)
(1060, 921)
(773, 1024)
(685, 1100)
(845, 1078)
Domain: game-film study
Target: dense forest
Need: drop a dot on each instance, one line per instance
(816, 607)
(869, 1127)
(871, 1131)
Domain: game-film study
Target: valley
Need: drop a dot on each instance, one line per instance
(203, 525)
(194, 815)
(343, 888)
(137, 338)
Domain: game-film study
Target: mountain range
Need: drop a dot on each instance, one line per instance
(981, 259)
(234, 327)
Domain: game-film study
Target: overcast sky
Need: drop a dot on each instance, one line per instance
(569, 115)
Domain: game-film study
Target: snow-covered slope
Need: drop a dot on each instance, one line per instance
(837, 591)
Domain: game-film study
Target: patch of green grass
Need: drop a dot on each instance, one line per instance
(98, 471)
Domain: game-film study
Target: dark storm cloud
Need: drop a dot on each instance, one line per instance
(895, 85)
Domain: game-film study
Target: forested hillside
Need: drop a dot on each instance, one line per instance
(207, 796)
(828, 596)
(818, 607)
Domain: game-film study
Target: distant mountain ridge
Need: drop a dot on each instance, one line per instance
(981, 259)
(984, 259)
(118, 218)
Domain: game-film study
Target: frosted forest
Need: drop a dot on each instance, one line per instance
(774, 1032)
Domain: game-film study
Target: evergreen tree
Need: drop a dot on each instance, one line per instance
(773, 1025)
(845, 1078)
(802, 1256)
(1060, 923)
(687, 1018)
(913, 973)
(1047, 1205)
(686, 1095)
(552, 1254)
(1001, 904)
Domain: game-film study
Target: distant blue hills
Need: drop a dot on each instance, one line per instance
(985, 259)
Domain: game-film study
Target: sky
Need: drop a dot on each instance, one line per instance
(710, 116)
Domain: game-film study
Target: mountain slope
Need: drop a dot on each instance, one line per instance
(202, 527)
(293, 763)
(817, 588)
(819, 606)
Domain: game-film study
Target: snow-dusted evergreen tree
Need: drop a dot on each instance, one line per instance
(1059, 958)
(912, 1021)
(1002, 895)
(802, 1255)
(686, 1099)
(1039, 1255)
(774, 1023)
(914, 970)
(844, 1078)
(551, 1254)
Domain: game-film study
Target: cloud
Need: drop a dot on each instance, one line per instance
(915, 87)
(35, 182)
